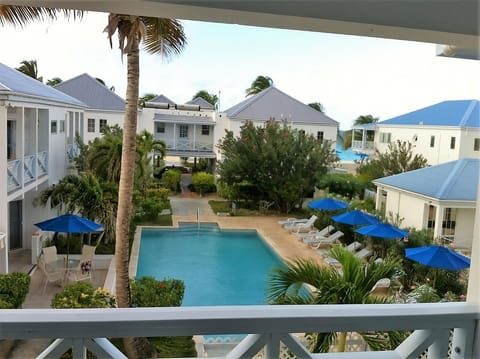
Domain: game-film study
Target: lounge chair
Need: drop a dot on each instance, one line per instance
(363, 253)
(303, 227)
(382, 287)
(315, 233)
(320, 241)
(354, 246)
(292, 221)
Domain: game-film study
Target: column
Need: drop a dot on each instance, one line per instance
(3, 189)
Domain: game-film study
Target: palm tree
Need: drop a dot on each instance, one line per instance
(29, 68)
(364, 119)
(317, 106)
(147, 145)
(351, 285)
(210, 98)
(18, 15)
(258, 85)
(104, 154)
(145, 98)
(161, 36)
(54, 81)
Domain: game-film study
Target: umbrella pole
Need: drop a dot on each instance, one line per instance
(68, 248)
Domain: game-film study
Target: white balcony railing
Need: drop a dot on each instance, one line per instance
(82, 329)
(188, 145)
(21, 172)
(361, 145)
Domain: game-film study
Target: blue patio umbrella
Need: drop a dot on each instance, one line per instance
(437, 257)
(355, 218)
(382, 230)
(69, 223)
(328, 204)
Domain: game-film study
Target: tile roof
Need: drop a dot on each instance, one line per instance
(200, 101)
(462, 113)
(13, 81)
(93, 93)
(272, 102)
(455, 181)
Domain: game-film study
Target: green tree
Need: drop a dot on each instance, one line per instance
(398, 158)
(258, 85)
(30, 68)
(160, 36)
(365, 119)
(203, 182)
(209, 97)
(274, 163)
(146, 146)
(350, 285)
(54, 81)
(145, 98)
(317, 106)
(18, 15)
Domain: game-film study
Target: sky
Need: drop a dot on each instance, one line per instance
(349, 75)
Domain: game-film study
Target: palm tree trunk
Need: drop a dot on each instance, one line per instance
(342, 341)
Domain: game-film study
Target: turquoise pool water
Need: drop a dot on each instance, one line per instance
(346, 154)
(219, 267)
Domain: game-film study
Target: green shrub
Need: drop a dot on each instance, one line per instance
(344, 184)
(13, 289)
(155, 201)
(203, 182)
(82, 295)
(171, 179)
(148, 292)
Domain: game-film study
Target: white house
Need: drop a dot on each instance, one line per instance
(104, 107)
(37, 123)
(441, 198)
(443, 132)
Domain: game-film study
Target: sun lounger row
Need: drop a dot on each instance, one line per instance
(321, 241)
(303, 226)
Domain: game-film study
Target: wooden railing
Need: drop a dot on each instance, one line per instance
(269, 327)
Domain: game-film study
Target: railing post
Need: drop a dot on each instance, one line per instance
(463, 341)
(272, 347)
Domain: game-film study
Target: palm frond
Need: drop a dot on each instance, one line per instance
(17, 15)
(163, 36)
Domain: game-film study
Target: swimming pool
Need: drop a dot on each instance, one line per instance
(219, 267)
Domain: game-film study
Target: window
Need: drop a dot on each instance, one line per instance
(452, 143)
(432, 141)
(183, 131)
(102, 124)
(91, 125)
(385, 137)
(62, 126)
(476, 144)
(159, 127)
(320, 136)
(53, 127)
(205, 130)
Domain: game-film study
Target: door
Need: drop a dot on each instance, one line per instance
(15, 224)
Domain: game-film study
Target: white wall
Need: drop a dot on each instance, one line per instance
(113, 118)
(411, 209)
(467, 141)
(464, 227)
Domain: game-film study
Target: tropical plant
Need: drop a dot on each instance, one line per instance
(54, 81)
(105, 154)
(287, 162)
(343, 184)
(161, 36)
(13, 289)
(210, 98)
(203, 182)
(18, 15)
(365, 119)
(82, 295)
(317, 106)
(145, 98)
(258, 85)
(29, 68)
(146, 146)
(398, 158)
(350, 285)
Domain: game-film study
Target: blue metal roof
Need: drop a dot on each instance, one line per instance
(455, 181)
(460, 113)
(93, 93)
(13, 81)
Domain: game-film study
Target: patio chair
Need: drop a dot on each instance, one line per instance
(292, 221)
(303, 227)
(315, 233)
(382, 287)
(50, 255)
(320, 241)
(84, 270)
(354, 246)
(363, 253)
(51, 274)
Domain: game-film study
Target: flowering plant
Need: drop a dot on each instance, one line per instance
(82, 295)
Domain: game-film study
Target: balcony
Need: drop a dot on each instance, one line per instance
(22, 172)
(189, 148)
(363, 145)
(271, 328)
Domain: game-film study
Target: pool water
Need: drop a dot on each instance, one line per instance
(218, 267)
(347, 154)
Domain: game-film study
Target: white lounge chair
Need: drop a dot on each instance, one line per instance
(354, 246)
(303, 227)
(364, 253)
(292, 221)
(312, 234)
(320, 241)
(382, 287)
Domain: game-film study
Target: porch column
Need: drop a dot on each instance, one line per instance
(194, 137)
(473, 294)
(364, 139)
(3, 190)
(437, 230)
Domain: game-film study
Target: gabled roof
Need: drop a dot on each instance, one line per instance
(15, 82)
(461, 113)
(200, 101)
(93, 93)
(162, 99)
(273, 103)
(454, 181)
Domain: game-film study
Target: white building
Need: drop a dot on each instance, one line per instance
(37, 124)
(443, 132)
(441, 198)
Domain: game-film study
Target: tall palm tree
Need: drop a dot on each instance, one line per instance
(210, 98)
(30, 68)
(317, 106)
(351, 285)
(364, 119)
(17, 15)
(146, 146)
(258, 85)
(145, 98)
(161, 36)
(54, 81)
